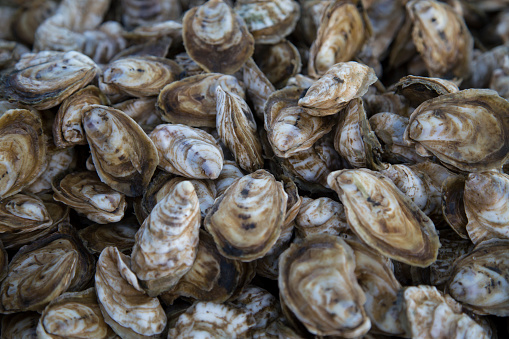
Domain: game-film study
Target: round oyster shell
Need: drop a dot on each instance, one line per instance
(139, 76)
(166, 243)
(84, 192)
(192, 101)
(237, 129)
(22, 150)
(217, 38)
(479, 279)
(467, 129)
(124, 156)
(124, 305)
(20, 325)
(187, 151)
(121, 234)
(23, 213)
(246, 220)
(43, 80)
(74, 315)
(384, 218)
(318, 284)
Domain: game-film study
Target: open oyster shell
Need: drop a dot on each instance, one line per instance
(217, 38)
(465, 129)
(166, 244)
(124, 305)
(318, 284)
(246, 220)
(20, 325)
(43, 80)
(84, 192)
(384, 218)
(124, 156)
(187, 151)
(74, 315)
(121, 234)
(22, 150)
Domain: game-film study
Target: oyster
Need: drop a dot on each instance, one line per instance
(124, 305)
(124, 156)
(228, 175)
(43, 80)
(246, 220)
(84, 192)
(187, 151)
(259, 88)
(192, 101)
(141, 110)
(384, 218)
(121, 234)
(23, 213)
(58, 161)
(237, 129)
(321, 216)
(29, 17)
(139, 76)
(465, 129)
(453, 206)
(318, 284)
(74, 315)
(166, 243)
(22, 150)
(4, 261)
(293, 203)
(419, 89)
(136, 13)
(217, 38)
(20, 325)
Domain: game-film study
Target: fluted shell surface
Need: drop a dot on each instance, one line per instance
(321, 216)
(258, 87)
(246, 220)
(121, 234)
(417, 89)
(230, 172)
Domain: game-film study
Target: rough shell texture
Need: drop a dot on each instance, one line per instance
(23, 213)
(258, 87)
(321, 216)
(418, 89)
(230, 172)
(120, 235)
(58, 161)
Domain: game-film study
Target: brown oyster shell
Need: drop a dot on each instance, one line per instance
(141, 110)
(217, 38)
(453, 207)
(136, 13)
(384, 218)
(418, 89)
(20, 325)
(124, 156)
(321, 216)
(23, 213)
(120, 234)
(258, 87)
(58, 161)
(230, 172)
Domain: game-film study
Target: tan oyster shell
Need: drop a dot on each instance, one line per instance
(190, 67)
(139, 76)
(128, 310)
(124, 156)
(74, 315)
(294, 200)
(22, 150)
(20, 325)
(121, 234)
(166, 243)
(187, 151)
(28, 18)
(318, 284)
(45, 79)
(341, 83)
(23, 213)
(291, 128)
(237, 129)
(258, 87)
(84, 192)
(216, 38)
(230, 172)
(246, 220)
(418, 89)
(384, 218)
(192, 101)
(141, 110)
(58, 161)
(464, 129)
(321, 216)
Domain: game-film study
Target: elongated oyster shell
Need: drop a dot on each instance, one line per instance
(121, 234)
(22, 150)
(124, 156)
(74, 315)
(67, 127)
(384, 218)
(45, 79)
(341, 83)
(139, 76)
(246, 220)
(431, 314)
(466, 129)
(124, 305)
(84, 192)
(318, 284)
(20, 325)
(453, 207)
(258, 87)
(166, 244)
(294, 201)
(192, 101)
(237, 129)
(217, 38)
(23, 213)
(291, 128)
(187, 151)
(321, 216)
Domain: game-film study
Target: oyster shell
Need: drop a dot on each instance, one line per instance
(318, 284)
(259, 88)
(43, 80)
(23, 213)
(58, 161)
(124, 305)
(20, 325)
(84, 192)
(140, 13)
(418, 89)
(217, 38)
(230, 172)
(293, 203)
(141, 110)
(22, 150)
(384, 218)
(29, 17)
(463, 129)
(321, 216)
(121, 234)
(124, 156)
(4, 261)
(187, 151)
(246, 220)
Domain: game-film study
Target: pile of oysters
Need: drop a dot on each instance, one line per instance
(254, 169)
